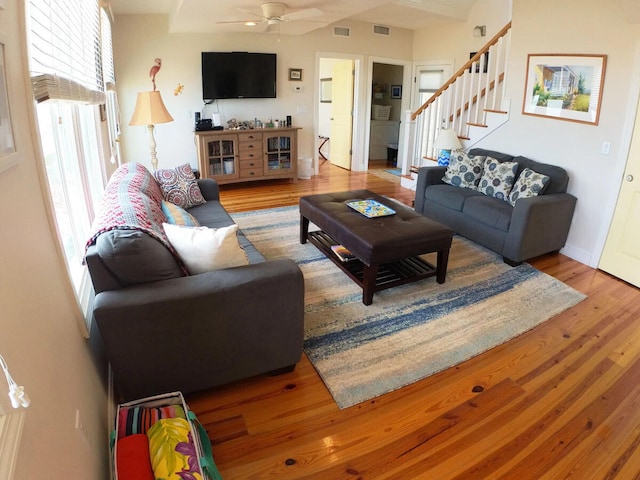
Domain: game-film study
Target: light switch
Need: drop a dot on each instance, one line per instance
(606, 146)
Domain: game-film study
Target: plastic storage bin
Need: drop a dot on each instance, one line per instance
(380, 112)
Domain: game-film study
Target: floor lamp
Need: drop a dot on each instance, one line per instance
(447, 140)
(150, 110)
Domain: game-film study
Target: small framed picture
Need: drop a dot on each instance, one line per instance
(396, 91)
(295, 74)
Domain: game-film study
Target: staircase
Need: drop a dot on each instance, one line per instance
(472, 103)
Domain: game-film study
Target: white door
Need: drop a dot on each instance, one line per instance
(341, 113)
(621, 255)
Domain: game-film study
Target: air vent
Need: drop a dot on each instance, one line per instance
(341, 31)
(381, 30)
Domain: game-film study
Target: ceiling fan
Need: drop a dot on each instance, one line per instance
(275, 13)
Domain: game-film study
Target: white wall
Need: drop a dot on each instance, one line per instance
(40, 336)
(549, 26)
(456, 40)
(598, 28)
(138, 39)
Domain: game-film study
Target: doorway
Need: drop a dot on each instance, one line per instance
(621, 254)
(338, 136)
(388, 101)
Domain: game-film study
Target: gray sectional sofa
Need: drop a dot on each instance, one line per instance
(164, 330)
(532, 226)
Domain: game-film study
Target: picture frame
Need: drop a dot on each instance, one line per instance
(325, 90)
(295, 74)
(564, 86)
(396, 91)
(9, 156)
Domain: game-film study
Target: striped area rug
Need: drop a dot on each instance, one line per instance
(412, 331)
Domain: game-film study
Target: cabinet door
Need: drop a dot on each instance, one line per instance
(220, 154)
(279, 150)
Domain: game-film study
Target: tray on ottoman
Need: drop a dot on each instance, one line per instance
(386, 248)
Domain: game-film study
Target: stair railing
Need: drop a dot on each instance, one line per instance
(476, 88)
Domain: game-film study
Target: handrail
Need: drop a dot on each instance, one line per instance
(461, 71)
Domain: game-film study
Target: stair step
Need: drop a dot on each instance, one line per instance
(495, 111)
(477, 125)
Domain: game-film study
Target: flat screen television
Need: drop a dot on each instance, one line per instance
(238, 75)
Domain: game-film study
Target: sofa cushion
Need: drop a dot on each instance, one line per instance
(501, 157)
(558, 176)
(498, 178)
(528, 184)
(134, 257)
(204, 249)
(179, 186)
(132, 201)
(489, 211)
(449, 196)
(464, 170)
(177, 215)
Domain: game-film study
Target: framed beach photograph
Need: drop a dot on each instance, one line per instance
(565, 87)
(295, 74)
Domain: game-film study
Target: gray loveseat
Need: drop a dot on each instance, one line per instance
(164, 330)
(531, 227)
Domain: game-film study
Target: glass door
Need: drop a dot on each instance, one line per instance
(279, 153)
(221, 157)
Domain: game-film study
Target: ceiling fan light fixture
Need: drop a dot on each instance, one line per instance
(250, 24)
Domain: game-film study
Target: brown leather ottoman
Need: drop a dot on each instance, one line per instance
(386, 248)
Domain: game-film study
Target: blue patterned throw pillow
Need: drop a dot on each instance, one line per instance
(178, 216)
(498, 178)
(464, 170)
(529, 184)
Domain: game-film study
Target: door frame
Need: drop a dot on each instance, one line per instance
(407, 94)
(620, 166)
(357, 134)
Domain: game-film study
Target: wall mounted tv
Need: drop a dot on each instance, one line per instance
(238, 75)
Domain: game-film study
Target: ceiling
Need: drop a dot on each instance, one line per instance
(203, 16)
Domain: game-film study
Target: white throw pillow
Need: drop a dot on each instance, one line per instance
(203, 249)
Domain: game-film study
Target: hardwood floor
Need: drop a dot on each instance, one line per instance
(561, 401)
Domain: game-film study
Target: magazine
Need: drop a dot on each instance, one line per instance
(370, 208)
(342, 253)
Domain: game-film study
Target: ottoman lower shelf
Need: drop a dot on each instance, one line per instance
(398, 272)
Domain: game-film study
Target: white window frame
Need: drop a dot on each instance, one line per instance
(81, 150)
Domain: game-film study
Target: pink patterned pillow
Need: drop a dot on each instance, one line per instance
(179, 186)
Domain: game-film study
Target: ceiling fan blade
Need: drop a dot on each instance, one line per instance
(302, 14)
(239, 22)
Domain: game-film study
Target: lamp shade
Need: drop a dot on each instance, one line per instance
(447, 140)
(150, 109)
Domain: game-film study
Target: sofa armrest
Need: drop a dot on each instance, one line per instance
(209, 189)
(427, 176)
(193, 333)
(539, 225)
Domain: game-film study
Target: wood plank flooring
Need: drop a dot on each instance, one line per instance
(559, 402)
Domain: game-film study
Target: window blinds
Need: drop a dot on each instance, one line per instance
(108, 69)
(65, 50)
